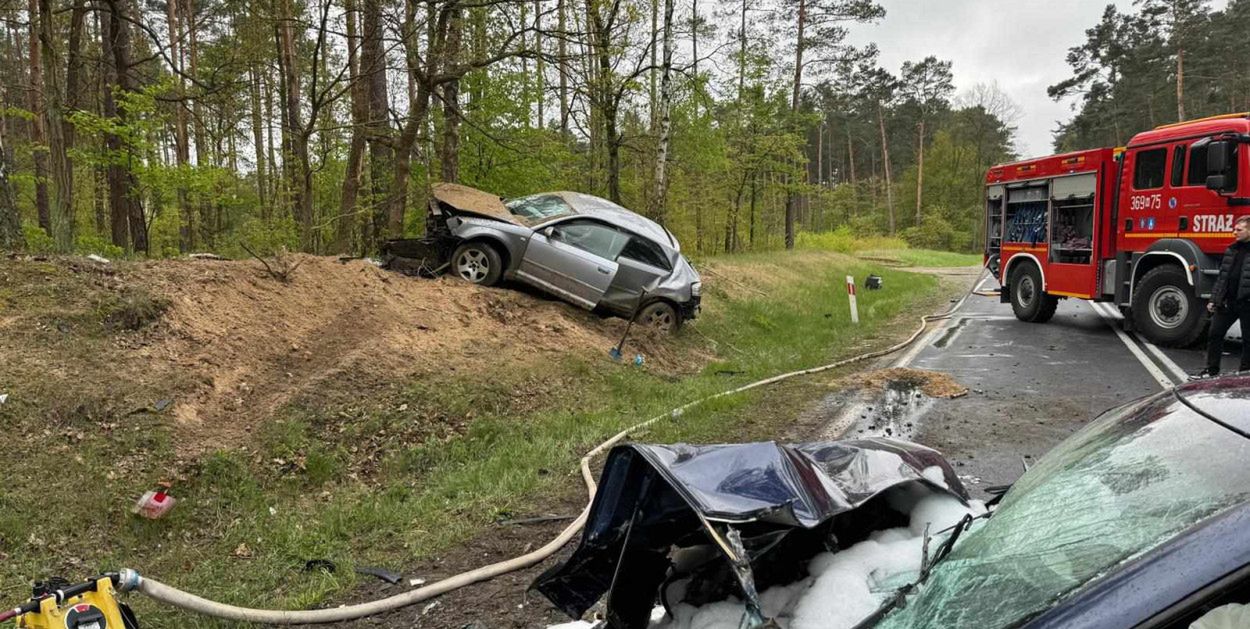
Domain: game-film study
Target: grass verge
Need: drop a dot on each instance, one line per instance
(358, 479)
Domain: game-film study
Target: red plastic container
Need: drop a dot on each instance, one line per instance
(154, 504)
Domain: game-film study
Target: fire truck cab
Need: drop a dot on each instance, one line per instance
(1143, 226)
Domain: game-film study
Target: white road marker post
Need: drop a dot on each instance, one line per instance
(850, 292)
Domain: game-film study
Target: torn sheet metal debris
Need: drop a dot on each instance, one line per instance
(780, 501)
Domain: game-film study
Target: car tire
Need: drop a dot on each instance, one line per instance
(659, 315)
(1028, 301)
(477, 263)
(1165, 309)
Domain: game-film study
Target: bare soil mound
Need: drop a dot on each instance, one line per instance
(252, 344)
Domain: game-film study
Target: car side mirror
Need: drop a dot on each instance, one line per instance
(548, 231)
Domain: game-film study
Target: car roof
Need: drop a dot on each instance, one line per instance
(602, 209)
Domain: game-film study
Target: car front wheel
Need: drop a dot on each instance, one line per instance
(478, 263)
(659, 315)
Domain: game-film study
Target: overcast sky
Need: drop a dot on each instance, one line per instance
(1021, 45)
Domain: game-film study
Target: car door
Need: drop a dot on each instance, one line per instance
(642, 265)
(575, 259)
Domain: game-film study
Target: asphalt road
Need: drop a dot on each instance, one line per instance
(1030, 385)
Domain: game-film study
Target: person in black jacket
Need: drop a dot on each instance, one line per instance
(1230, 300)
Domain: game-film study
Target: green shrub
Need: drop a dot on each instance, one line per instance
(37, 240)
(844, 240)
(932, 233)
(94, 243)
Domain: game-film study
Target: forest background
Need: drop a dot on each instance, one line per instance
(161, 127)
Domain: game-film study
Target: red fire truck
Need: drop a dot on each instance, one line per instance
(1141, 226)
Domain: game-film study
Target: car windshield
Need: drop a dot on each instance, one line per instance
(1123, 485)
(538, 207)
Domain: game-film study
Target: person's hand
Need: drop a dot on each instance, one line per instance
(1210, 306)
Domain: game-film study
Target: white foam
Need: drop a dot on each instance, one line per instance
(840, 589)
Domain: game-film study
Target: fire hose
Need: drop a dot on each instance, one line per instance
(131, 580)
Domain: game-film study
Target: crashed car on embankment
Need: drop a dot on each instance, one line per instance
(1140, 519)
(584, 249)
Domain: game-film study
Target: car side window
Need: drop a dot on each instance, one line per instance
(592, 237)
(646, 252)
(1148, 169)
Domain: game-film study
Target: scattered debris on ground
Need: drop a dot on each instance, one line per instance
(934, 384)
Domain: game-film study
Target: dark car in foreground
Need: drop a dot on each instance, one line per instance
(1140, 519)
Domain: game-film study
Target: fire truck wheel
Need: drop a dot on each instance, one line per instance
(1165, 308)
(1028, 300)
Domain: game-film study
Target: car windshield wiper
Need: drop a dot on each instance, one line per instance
(901, 594)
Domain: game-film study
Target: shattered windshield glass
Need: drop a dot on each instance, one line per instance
(1124, 484)
(538, 207)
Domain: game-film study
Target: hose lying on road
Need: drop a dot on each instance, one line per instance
(131, 580)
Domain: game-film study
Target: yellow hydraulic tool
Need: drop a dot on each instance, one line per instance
(89, 605)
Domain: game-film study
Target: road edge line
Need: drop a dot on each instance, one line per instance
(1154, 370)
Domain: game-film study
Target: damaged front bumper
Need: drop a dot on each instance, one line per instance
(757, 507)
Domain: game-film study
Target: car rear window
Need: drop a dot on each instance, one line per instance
(646, 252)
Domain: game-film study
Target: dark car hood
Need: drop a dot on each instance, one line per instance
(652, 497)
(1225, 399)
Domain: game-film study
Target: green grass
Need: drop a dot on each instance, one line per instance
(359, 482)
(922, 257)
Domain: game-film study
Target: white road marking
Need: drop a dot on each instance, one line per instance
(1170, 367)
(1156, 373)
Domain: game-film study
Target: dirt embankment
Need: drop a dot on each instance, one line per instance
(243, 344)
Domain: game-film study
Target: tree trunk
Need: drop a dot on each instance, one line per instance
(38, 132)
(450, 154)
(885, 161)
(182, 150)
(1180, 84)
(794, 108)
(751, 225)
(203, 153)
(541, 77)
(378, 128)
(299, 172)
(61, 212)
(562, 50)
(73, 90)
(660, 212)
(850, 160)
(356, 149)
(258, 138)
(11, 237)
(694, 55)
(653, 119)
(127, 211)
(919, 170)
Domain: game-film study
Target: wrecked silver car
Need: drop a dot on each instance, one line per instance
(584, 249)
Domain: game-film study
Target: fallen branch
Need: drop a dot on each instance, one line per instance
(282, 274)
